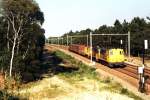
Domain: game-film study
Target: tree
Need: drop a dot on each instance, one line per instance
(117, 26)
(21, 16)
(139, 28)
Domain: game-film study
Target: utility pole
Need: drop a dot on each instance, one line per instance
(67, 40)
(117, 35)
(62, 40)
(129, 44)
(91, 46)
(48, 41)
(87, 40)
(58, 40)
(71, 40)
(51, 40)
(79, 36)
(91, 54)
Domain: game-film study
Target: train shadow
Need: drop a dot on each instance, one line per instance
(110, 65)
(118, 66)
(51, 65)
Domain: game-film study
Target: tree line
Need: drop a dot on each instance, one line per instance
(139, 29)
(21, 36)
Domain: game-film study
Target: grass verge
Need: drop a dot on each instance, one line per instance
(83, 71)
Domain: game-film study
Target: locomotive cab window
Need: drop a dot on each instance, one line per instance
(110, 53)
(121, 52)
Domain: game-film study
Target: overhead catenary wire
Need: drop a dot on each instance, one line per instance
(78, 36)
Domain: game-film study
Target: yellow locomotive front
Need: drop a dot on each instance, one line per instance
(115, 57)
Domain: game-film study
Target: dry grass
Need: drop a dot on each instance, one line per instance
(81, 84)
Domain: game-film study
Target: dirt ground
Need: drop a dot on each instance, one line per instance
(55, 88)
(138, 61)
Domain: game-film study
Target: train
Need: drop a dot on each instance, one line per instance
(112, 57)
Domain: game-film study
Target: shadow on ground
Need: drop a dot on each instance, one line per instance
(50, 66)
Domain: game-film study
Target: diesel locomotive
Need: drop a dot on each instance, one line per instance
(112, 57)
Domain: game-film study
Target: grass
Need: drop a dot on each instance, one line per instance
(4, 95)
(90, 73)
(82, 73)
(10, 84)
(46, 92)
(125, 91)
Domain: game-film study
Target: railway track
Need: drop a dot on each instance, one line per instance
(129, 70)
(132, 71)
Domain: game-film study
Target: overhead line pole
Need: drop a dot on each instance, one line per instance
(71, 41)
(118, 35)
(80, 36)
(67, 40)
(91, 46)
(129, 44)
(87, 40)
(58, 40)
(51, 40)
(128, 34)
(62, 40)
(48, 41)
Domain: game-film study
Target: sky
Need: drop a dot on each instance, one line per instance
(61, 16)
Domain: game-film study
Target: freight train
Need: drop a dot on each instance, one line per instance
(112, 57)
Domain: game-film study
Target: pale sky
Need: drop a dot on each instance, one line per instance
(61, 16)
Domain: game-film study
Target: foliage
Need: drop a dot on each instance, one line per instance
(130, 94)
(5, 96)
(83, 70)
(20, 19)
(138, 27)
